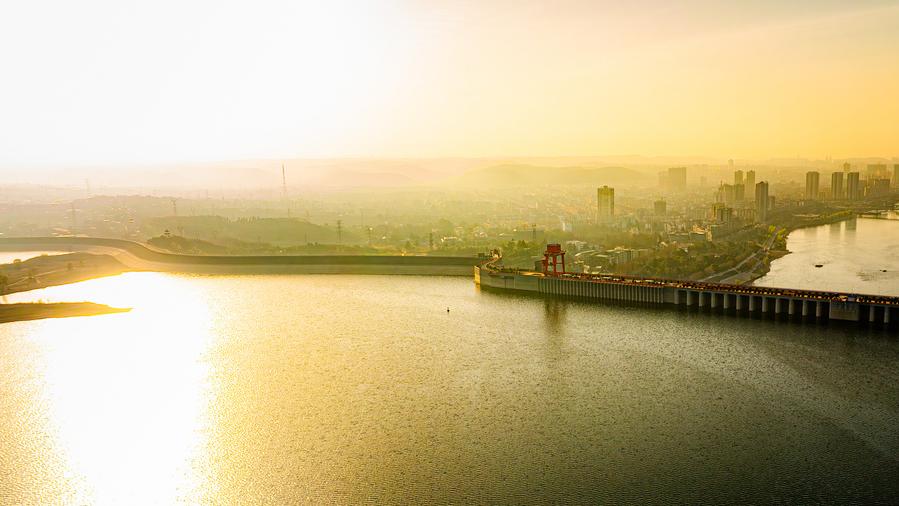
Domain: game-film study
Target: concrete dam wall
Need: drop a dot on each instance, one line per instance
(738, 300)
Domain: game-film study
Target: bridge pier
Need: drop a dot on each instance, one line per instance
(871, 310)
(689, 297)
(791, 307)
(765, 304)
(778, 306)
(701, 299)
(819, 311)
(726, 301)
(886, 315)
(738, 303)
(751, 303)
(714, 301)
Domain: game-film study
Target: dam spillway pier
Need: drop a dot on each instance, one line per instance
(808, 306)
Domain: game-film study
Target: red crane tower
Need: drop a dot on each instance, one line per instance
(551, 256)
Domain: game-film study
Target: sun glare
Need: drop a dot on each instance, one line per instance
(105, 378)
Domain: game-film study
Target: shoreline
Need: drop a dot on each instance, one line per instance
(868, 274)
(54, 270)
(139, 257)
(28, 311)
(753, 275)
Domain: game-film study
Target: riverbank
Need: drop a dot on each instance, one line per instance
(39, 311)
(855, 256)
(140, 257)
(762, 266)
(53, 270)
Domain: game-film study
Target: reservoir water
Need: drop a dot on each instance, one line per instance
(285, 389)
(856, 256)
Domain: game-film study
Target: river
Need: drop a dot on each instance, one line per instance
(287, 389)
(857, 256)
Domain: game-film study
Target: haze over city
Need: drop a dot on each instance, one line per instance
(435, 252)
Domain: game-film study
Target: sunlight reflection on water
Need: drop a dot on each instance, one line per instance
(322, 389)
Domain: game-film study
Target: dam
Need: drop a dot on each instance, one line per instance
(738, 300)
(140, 257)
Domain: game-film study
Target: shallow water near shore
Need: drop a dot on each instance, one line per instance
(346, 389)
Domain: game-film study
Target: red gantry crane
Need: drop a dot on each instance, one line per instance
(552, 256)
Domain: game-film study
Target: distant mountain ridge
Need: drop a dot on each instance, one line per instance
(528, 175)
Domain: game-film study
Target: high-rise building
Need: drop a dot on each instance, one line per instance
(605, 204)
(749, 182)
(878, 187)
(723, 214)
(877, 171)
(739, 193)
(836, 186)
(660, 208)
(811, 185)
(853, 190)
(726, 195)
(761, 201)
(677, 178)
(896, 175)
(738, 177)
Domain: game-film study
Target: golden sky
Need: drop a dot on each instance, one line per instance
(119, 81)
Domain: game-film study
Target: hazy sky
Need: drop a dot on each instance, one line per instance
(110, 81)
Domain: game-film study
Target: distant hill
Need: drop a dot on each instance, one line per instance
(219, 230)
(530, 175)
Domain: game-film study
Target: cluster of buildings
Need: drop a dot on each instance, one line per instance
(744, 200)
(590, 260)
(848, 185)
